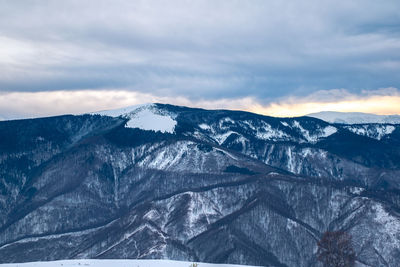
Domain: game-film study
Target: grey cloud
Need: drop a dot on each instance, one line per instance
(200, 49)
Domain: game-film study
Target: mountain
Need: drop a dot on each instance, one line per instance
(355, 117)
(167, 182)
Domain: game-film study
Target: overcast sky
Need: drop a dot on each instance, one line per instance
(272, 57)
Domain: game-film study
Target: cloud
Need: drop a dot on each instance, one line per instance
(15, 105)
(200, 49)
(384, 101)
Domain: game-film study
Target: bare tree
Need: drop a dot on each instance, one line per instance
(335, 250)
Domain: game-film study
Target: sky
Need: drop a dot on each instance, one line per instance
(280, 58)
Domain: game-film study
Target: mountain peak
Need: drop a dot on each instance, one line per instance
(145, 117)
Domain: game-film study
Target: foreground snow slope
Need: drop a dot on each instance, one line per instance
(115, 263)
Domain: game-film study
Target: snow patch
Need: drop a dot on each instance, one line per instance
(329, 130)
(319, 133)
(290, 224)
(291, 162)
(227, 120)
(266, 132)
(145, 117)
(375, 131)
(284, 123)
(226, 153)
(205, 127)
(356, 190)
(316, 153)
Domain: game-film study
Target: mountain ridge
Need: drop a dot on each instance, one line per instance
(92, 186)
(355, 117)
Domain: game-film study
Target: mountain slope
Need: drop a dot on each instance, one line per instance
(219, 186)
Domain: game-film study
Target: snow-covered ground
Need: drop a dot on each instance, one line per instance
(354, 117)
(145, 117)
(115, 263)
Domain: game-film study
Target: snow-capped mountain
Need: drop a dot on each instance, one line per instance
(167, 182)
(355, 117)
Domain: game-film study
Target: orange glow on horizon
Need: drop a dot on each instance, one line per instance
(36, 104)
(381, 105)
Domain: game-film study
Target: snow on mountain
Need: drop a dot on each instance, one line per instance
(372, 131)
(263, 130)
(115, 263)
(369, 125)
(205, 193)
(145, 117)
(120, 111)
(313, 138)
(221, 130)
(266, 132)
(354, 117)
(148, 119)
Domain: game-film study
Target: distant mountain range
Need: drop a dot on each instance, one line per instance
(160, 181)
(355, 117)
